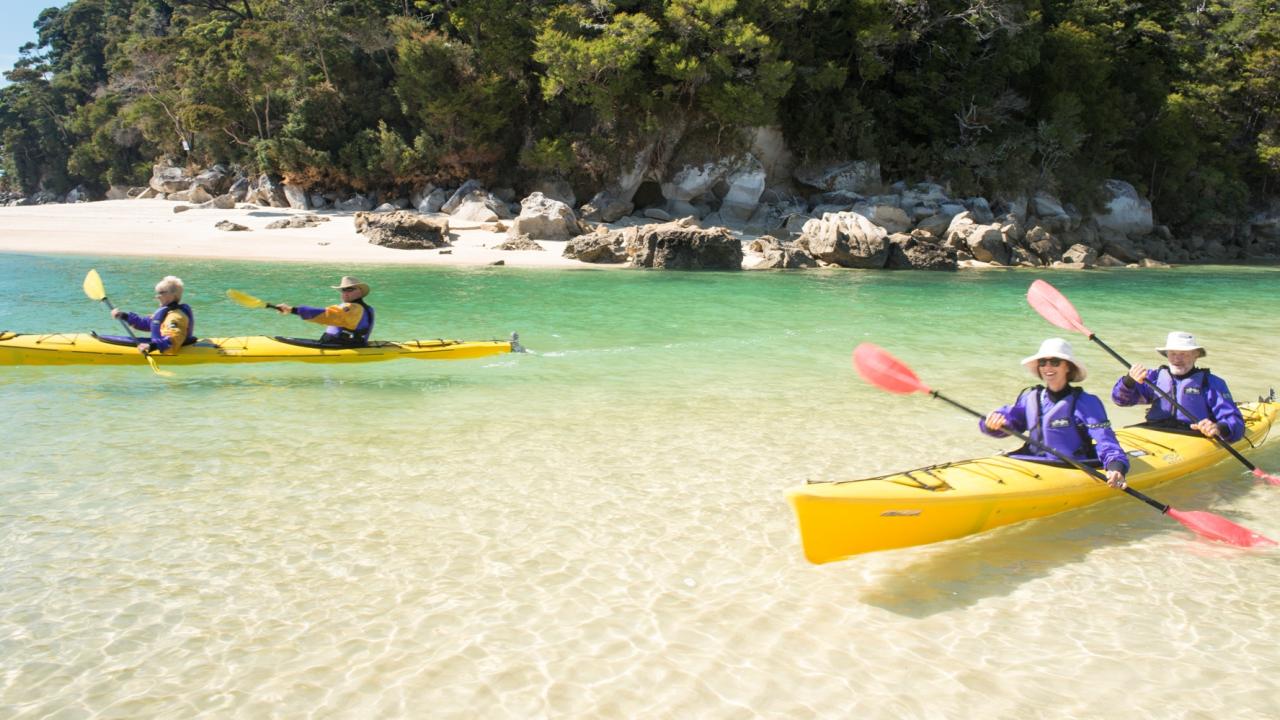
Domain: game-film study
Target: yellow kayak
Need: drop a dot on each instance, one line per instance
(90, 349)
(842, 518)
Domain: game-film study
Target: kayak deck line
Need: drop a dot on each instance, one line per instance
(1018, 466)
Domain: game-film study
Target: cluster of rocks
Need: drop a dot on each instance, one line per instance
(676, 245)
(837, 214)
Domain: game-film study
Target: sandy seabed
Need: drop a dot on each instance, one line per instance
(153, 229)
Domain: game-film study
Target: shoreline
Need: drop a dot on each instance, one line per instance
(150, 228)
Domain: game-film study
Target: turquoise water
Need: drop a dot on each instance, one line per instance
(598, 528)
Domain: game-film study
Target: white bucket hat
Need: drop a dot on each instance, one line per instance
(1055, 348)
(1183, 341)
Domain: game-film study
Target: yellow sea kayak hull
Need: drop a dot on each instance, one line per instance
(840, 519)
(87, 349)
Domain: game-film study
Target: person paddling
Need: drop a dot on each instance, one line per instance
(171, 326)
(1197, 390)
(1063, 417)
(350, 322)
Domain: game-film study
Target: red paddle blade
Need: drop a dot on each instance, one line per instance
(1268, 477)
(885, 371)
(1055, 307)
(1214, 527)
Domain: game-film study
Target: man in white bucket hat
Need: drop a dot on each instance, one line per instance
(1197, 390)
(1063, 417)
(349, 323)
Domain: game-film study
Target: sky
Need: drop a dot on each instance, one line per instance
(16, 28)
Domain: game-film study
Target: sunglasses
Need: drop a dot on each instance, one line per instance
(1051, 362)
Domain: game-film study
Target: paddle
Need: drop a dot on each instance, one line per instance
(94, 289)
(883, 370)
(249, 301)
(1054, 307)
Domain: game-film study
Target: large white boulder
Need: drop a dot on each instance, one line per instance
(1126, 212)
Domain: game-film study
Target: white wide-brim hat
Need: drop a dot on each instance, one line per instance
(1055, 348)
(348, 281)
(1182, 341)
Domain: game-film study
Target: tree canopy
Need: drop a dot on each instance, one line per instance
(992, 96)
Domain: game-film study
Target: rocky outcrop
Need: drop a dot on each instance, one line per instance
(296, 197)
(167, 179)
(601, 246)
(683, 246)
(544, 218)
(846, 239)
(985, 243)
(519, 242)
(1125, 211)
(680, 245)
(403, 230)
(607, 206)
(215, 181)
(355, 203)
(910, 252)
(854, 176)
(771, 253)
(297, 221)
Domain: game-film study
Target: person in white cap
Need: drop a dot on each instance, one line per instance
(349, 323)
(1063, 417)
(1205, 395)
(172, 326)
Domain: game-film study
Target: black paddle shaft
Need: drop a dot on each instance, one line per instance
(1092, 472)
(123, 322)
(1176, 405)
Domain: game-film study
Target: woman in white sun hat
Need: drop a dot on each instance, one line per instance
(1197, 390)
(1063, 417)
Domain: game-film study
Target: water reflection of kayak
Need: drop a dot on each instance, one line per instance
(92, 349)
(951, 500)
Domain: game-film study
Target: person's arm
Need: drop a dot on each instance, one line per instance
(346, 315)
(1014, 417)
(1090, 412)
(1128, 391)
(1223, 407)
(135, 321)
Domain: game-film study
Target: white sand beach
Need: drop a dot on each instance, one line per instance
(152, 228)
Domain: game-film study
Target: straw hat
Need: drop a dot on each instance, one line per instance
(348, 281)
(1055, 348)
(1183, 341)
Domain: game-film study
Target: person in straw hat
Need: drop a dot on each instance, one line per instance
(1063, 417)
(1196, 389)
(349, 323)
(171, 326)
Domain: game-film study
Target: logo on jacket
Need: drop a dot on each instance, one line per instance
(1060, 423)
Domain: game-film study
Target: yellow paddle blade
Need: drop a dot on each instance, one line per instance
(93, 286)
(245, 299)
(156, 368)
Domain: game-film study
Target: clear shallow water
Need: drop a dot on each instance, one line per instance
(598, 529)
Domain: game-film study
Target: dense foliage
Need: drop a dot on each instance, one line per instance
(991, 96)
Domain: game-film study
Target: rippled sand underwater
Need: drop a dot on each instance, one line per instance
(598, 528)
